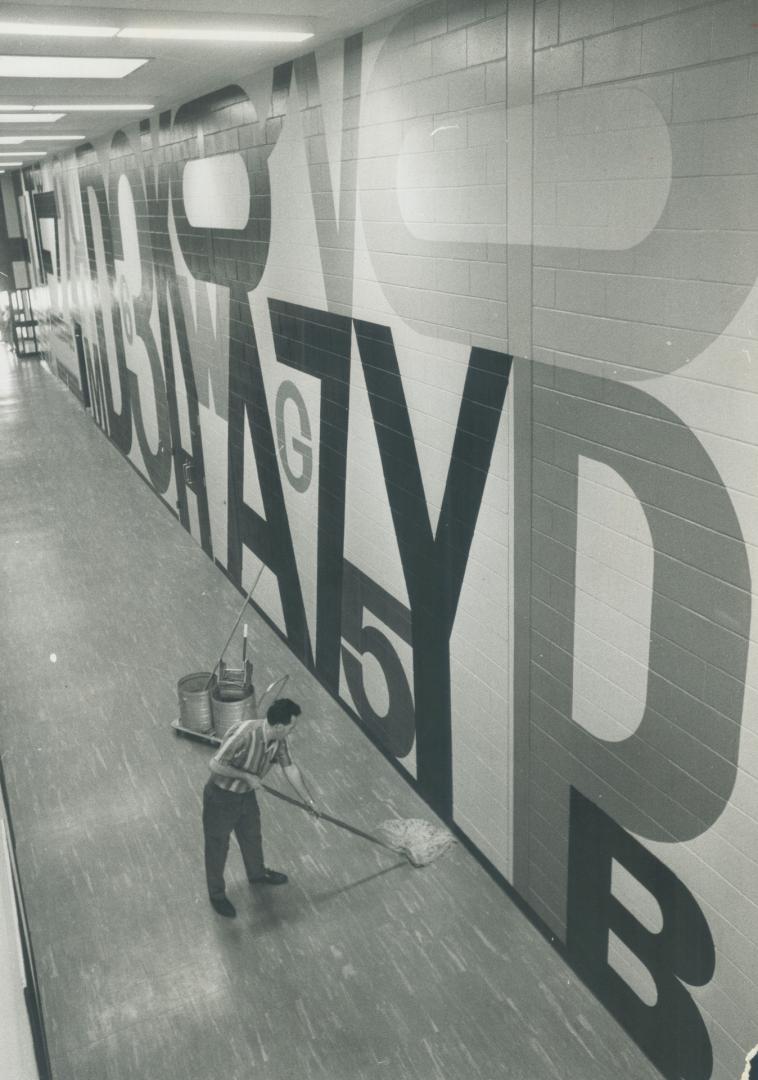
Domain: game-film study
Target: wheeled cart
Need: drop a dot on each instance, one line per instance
(210, 737)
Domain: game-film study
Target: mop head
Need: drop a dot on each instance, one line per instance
(419, 841)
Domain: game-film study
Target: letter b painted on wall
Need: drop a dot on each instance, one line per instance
(671, 1031)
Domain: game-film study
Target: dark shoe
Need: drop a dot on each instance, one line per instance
(223, 906)
(270, 877)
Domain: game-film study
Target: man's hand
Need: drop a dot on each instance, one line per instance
(295, 779)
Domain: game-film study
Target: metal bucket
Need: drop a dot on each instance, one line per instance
(195, 702)
(231, 702)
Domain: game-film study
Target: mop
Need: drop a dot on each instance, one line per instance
(239, 619)
(416, 839)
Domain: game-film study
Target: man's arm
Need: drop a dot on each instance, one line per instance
(221, 762)
(219, 769)
(296, 781)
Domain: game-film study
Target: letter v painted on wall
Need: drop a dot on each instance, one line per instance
(334, 212)
(433, 564)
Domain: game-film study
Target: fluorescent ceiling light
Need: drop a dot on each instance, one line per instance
(42, 138)
(26, 29)
(17, 140)
(12, 164)
(93, 107)
(205, 33)
(68, 67)
(30, 118)
(90, 108)
(21, 153)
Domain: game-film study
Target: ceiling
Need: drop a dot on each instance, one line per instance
(176, 71)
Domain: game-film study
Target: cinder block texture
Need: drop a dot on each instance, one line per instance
(530, 579)
(670, 86)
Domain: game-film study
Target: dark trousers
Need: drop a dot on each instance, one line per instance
(224, 813)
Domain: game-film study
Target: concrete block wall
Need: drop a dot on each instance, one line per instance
(644, 513)
(451, 325)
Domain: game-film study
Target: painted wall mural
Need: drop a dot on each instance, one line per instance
(470, 368)
(13, 250)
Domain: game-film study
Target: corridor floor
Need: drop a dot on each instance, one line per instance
(363, 967)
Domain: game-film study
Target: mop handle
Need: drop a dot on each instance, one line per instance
(239, 617)
(330, 819)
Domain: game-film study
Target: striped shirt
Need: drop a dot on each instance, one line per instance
(245, 747)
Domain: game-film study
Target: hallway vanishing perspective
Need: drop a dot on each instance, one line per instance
(363, 967)
(435, 321)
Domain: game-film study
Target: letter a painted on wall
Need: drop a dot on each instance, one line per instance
(671, 1032)
(269, 538)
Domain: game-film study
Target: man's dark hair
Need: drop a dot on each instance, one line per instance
(282, 711)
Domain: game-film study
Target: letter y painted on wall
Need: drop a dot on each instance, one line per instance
(433, 563)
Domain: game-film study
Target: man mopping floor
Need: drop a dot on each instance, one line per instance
(230, 803)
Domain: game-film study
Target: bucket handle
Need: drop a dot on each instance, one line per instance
(276, 686)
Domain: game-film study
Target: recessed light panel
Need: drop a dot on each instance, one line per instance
(68, 67)
(8, 140)
(90, 108)
(24, 29)
(204, 33)
(30, 118)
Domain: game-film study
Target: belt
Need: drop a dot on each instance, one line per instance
(226, 791)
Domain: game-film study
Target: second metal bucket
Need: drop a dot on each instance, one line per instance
(195, 702)
(231, 702)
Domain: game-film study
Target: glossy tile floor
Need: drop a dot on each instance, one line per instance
(363, 967)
